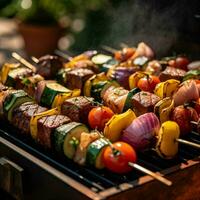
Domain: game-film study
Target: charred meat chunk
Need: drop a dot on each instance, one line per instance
(144, 102)
(77, 77)
(77, 108)
(48, 66)
(46, 126)
(172, 73)
(22, 115)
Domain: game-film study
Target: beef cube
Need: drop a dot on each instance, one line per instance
(77, 77)
(172, 73)
(48, 66)
(77, 108)
(22, 115)
(46, 126)
(144, 102)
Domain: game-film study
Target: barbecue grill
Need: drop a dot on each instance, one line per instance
(30, 172)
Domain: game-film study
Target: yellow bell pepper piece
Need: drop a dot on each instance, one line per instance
(134, 78)
(167, 146)
(36, 117)
(92, 81)
(163, 109)
(167, 88)
(60, 98)
(5, 70)
(114, 127)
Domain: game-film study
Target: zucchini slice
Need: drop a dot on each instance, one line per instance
(100, 59)
(128, 102)
(50, 91)
(67, 136)
(13, 100)
(5, 71)
(15, 73)
(95, 151)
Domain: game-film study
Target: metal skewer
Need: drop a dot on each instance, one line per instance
(150, 173)
(23, 61)
(188, 143)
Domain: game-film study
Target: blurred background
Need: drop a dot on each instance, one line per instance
(37, 27)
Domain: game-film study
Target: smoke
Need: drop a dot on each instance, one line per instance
(135, 21)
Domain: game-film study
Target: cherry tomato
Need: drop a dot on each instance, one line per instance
(98, 117)
(180, 62)
(125, 54)
(148, 83)
(117, 157)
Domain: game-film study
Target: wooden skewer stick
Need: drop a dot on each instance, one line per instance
(109, 49)
(34, 59)
(150, 173)
(63, 55)
(188, 143)
(23, 61)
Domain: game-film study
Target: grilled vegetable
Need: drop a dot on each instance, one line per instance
(117, 156)
(99, 78)
(153, 67)
(115, 97)
(67, 137)
(85, 140)
(128, 103)
(16, 75)
(183, 117)
(121, 74)
(6, 69)
(95, 152)
(109, 64)
(140, 132)
(99, 116)
(134, 78)
(164, 108)
(167, 88)
(124, 54)
(167, 146)
(3, 95)
(61, 76)
(143, 50)
(101, 59)
(186, 93)
(13, 100)
(118, 123)
(192, 74)
(61, 97)
(30, 83)
(195, 65)
(51, 90)
(180, 62)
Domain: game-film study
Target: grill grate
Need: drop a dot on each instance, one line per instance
(100, 179)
